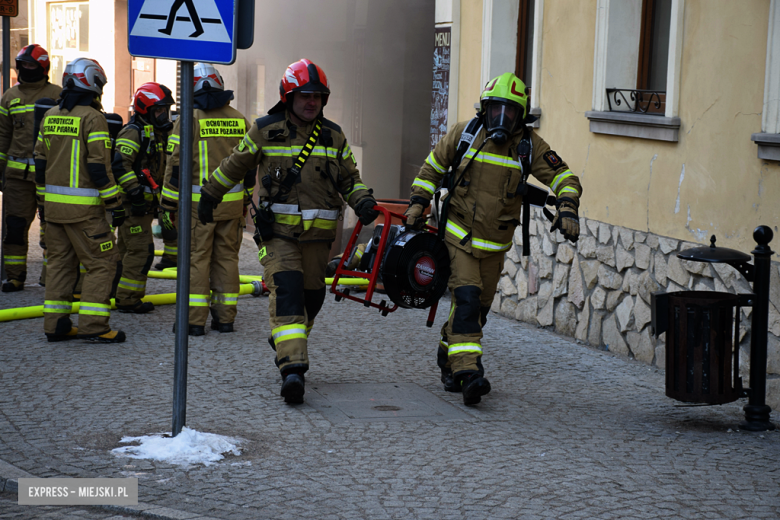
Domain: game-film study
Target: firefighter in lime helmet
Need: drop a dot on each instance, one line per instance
(219, 128)
(308, 169)
(16, 159)
(73, 163)
(490, 158)
(139, 165)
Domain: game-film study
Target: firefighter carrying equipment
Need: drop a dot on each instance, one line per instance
(305, 219)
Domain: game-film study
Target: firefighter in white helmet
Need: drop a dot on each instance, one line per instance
(218, 128)
(490, 158)
(72, 162)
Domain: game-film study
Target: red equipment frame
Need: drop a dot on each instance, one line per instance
(374, 274)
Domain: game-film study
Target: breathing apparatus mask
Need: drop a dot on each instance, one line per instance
(160, 117)
(30, 75)
(501, 120)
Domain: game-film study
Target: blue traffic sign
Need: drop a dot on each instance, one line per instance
(184, 30)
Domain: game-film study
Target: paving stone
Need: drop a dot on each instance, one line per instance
(568, 431)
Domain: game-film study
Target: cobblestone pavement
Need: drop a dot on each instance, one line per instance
(567, 432)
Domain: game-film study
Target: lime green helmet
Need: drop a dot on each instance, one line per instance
(508, 101)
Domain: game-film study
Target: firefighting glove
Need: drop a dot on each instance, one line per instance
(206, 208)
(414, 213)
(566, 219)
(118, 216)
(41, 215)
(365, 211)
(167, 219)
(136, 196)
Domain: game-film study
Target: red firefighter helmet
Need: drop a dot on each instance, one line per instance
(304, 76)
(151, 94)
(34, 53)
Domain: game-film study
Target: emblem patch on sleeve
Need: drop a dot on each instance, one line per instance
(553, 160)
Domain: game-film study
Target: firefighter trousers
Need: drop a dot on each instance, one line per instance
(170, 250)
(473, 285)
(136, 249)
(20, 206)
(294, 272)
(214, 271)
(92, 243)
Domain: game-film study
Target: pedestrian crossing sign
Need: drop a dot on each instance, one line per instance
(184, 30)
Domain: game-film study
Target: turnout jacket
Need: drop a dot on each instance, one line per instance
(312, 207)
(73, 165)
(485, 207)
(216, 132)
(17, 120)
(131, 157)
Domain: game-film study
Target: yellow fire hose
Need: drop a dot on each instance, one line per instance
(36, 311)
(170, 274)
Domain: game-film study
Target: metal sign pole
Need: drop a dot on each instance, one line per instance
(6, 86)
(183, 260)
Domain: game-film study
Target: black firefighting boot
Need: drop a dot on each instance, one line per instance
(222, 327)
(139, 307)
(13, 286)
(293, 387)
(112, 336)
(64, 331)
(446, 372)
(194, 330)
(473, 386)
(164, 263)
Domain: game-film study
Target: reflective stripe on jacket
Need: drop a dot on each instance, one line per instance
(76, 147)
(215, 133)
(485, 208)
(17, 120)
(311, 209)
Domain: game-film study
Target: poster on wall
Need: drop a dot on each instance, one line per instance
(441, 84)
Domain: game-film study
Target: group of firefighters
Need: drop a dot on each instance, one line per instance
(97, 195)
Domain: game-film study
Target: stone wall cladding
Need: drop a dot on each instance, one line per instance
(598, 291)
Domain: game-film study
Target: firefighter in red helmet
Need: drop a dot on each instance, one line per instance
(139, 165)
(307, 170)
(16, 159)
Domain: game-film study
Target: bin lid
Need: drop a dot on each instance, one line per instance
(713, 254)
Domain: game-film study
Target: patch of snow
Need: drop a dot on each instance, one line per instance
(189, 447)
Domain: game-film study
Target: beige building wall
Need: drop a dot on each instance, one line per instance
(710, 181)
(469, 86)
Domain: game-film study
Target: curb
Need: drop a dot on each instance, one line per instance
(9, 483)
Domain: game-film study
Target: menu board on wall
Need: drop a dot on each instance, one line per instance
(441, 83)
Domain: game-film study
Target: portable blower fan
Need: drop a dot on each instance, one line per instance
(413, 266)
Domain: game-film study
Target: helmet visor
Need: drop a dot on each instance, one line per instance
(501, 116)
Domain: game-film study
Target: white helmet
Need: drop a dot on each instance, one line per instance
(84, 74)
(205, 74)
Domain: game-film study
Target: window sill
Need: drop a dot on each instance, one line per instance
(768, 146)
(641, 126)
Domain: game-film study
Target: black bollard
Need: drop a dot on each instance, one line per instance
(757, 411)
